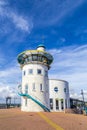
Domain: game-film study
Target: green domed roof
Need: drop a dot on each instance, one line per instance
(41, 45)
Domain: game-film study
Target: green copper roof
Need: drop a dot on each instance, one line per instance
(41, 45)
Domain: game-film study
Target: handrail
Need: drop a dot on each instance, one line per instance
(38, 102)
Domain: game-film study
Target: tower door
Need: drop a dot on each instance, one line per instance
(57, 104)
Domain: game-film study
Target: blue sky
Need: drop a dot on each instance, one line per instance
(61, 25)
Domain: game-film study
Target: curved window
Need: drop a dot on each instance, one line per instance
(30, 58)
(40, 58)
(34, 57)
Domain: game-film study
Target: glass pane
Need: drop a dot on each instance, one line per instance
(26, 89)
(30, 71)
(34, 57)
(57, 104)
(62, 107)
(41, 87)
(51, 103)
(38, 71)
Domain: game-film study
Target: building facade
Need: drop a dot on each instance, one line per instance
(59, 95)
(37, 92)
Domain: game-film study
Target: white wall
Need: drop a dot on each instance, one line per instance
(30, 79)
(60, 95)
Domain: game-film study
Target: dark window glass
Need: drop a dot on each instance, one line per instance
(56, 89)
(24, 72)
(51, 103)
(39, 71)
(41, 88)
(57, 104)
(62, 104)
(65, 90)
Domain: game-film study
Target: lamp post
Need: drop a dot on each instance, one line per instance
(82, 93)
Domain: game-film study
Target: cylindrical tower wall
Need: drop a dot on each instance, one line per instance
(35, 83)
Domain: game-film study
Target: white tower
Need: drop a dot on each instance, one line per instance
(35, 84)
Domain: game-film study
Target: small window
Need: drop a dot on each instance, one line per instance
(65, 90)
(39, 71)
(33, 87)
(56, 89)
(30, 71)
(41, 87)
(46, 73)
(62, 104)
(24, 72)
(25, 101)
(51, 103)
(26, 89)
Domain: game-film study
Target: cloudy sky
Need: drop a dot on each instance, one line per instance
(60, 24)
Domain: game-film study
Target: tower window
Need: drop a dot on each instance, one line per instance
(33, 87)
(26, 102)
(46, 73)
(30, 71)
(26, 89)
(65, 90)
(41, 87)
(39, 71)
(24, 72)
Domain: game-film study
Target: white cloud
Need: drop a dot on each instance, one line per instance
(70, 64)
(20, 22)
